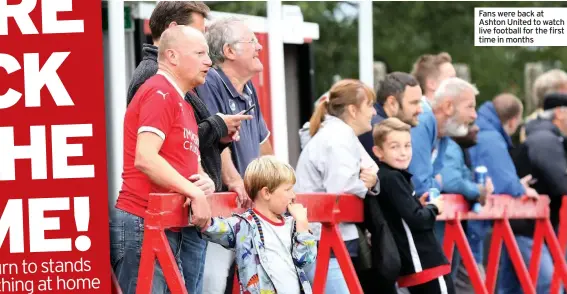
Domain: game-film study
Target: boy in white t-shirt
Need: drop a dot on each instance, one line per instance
(272, 241)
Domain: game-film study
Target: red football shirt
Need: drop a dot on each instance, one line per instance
(157, 107)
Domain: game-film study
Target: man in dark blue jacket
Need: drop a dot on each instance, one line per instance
(399, 96)
(498, 120)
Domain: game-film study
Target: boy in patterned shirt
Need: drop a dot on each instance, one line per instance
(272, 241)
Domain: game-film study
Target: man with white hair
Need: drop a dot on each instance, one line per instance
(551, 82)
(161, 153)
(453, 111)
(234, 51)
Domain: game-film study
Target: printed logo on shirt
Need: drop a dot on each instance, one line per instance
(181, 106)
(232, 105)
(191, 141)
(162, 94)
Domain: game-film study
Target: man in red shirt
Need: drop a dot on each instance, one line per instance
(161, 153)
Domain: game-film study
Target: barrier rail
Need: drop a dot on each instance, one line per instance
(166, 211)
(499, 209)
(562, 239)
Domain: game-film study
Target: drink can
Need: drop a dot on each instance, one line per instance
(433, 193)
(477, 208)
(480, 178)
(480, 174)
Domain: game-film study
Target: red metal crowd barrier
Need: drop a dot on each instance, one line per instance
(499, 209)
(562, 238)
(166, 211)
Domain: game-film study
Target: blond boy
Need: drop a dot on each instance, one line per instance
(272, 241)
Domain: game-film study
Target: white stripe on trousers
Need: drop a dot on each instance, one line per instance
(442, 285)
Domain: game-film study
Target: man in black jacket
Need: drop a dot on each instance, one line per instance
(215, 131)
(399, 96)
(543, 155)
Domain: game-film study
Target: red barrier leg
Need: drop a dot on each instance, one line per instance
(516, 257)
(115, 287)
(454, 233)
(235, 283)
(323, 255)
(562, 238)
(554, 249)
(147, 262)
(155, 244)
(494, 256)
(341, 252)
(169, 266)
(536, 252)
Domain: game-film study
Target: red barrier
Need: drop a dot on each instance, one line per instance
(115, 287)
(562, 238)
(166, 211)
(501, 208)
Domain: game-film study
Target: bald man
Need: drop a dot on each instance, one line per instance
(161, 153)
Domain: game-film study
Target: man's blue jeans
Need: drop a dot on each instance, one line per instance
(126, 236)
(193, 252)
(509, 282)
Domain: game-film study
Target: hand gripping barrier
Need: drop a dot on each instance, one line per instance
(499, 209)
(562, 237)
(167, 211)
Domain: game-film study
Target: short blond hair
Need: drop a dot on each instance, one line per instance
(547, 83)
(387, 126)
(427, 67)
(267, 171)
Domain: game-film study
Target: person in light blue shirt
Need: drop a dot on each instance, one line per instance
(453, 111)
(458, 179)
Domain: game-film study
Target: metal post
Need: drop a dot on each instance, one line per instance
(365, 43)
(116, 101)
(277, 79)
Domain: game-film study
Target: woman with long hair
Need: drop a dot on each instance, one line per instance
(331, 160)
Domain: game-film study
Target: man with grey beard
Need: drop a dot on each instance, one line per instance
(453, 111)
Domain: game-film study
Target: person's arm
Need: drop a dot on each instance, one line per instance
(342, 171)
(454, 180)
(422, 138)
(304, 249)
(221, 231)
(547, 155)
(232, 179)
(265, 145)
(266, 148)
(160, 172)
(156, 117)
(400, 195)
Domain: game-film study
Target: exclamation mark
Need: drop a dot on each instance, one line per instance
(82, 217)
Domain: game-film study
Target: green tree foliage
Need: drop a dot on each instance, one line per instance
(405, 30)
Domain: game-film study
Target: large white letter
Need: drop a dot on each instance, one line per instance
(10, 64)
(39, 224)
(20, 13)
(12, 219)
(61, 150)
(35, 79)
(36, 151)
(50, 24)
